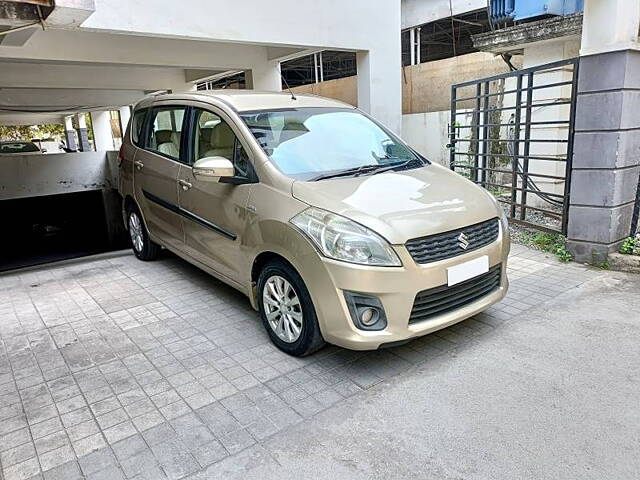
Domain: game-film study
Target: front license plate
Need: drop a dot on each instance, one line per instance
(467, 270)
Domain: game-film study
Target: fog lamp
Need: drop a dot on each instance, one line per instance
(366, 311)
(368, 317)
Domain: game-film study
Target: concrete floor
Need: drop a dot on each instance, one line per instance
(121, 369)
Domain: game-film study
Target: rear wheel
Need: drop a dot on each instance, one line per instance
(287, 311)
(143, 247)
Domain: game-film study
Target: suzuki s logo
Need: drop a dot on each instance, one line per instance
(463, 241)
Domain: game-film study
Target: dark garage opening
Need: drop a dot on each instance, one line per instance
(45, 229)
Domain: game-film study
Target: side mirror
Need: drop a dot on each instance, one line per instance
(212, 169)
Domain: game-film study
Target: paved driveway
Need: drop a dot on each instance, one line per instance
(117, 368)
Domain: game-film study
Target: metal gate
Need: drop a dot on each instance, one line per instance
(513, 134)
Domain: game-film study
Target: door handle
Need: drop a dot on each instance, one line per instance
(138, 164)
(185, 185)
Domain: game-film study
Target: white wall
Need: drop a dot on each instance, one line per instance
(417, 12)
(23, 176)
(428, 133)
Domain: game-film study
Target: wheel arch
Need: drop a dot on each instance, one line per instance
(261, 260)
(128, 203)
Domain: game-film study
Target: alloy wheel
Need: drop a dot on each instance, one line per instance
(135, 231)
(282, 308)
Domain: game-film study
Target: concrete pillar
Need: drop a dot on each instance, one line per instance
(380, 87)
(69, 133)
(83, 139)
(102, 135)
(609, 26)
(248, 80)
(606, 160)
(266, 76)
(125, 115)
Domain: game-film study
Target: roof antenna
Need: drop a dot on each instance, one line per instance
(293, 97)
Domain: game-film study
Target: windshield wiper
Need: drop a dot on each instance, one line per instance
(373, 169)
(348, 172)
(396, 165)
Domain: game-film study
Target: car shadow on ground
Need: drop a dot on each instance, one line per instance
(365, 368)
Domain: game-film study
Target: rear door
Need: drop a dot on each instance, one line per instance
(156, 168)
(215, 214)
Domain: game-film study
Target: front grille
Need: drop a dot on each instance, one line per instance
(443, 299)
(448, 244)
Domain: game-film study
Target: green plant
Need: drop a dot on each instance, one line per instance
(553, 243)
(562, 253)
(631, 246)
(26, 132)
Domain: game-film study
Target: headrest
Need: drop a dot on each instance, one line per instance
(222, 136)
(163, 136)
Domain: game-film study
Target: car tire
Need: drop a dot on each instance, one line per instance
(301, 313)
(143, 247)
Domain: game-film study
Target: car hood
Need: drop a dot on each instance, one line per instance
(402, 205)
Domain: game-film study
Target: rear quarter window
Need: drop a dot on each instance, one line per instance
(137, 124)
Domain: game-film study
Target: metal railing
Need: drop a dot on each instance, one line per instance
(513, 134)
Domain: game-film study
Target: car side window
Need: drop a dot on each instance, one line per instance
(137, 124)
(165, 131)
(214, 138)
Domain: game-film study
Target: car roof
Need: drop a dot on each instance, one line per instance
(250, 100)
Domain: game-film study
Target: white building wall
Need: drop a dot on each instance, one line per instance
(428, 134)
(418, 12)
(25, 176)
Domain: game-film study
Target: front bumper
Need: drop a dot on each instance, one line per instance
(396, 287)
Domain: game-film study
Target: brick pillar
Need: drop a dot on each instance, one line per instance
(606, 159)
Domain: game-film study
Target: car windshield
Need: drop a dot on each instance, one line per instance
(18, 147)
(310, 143)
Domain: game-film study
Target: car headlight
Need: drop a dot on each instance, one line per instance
(342, 239)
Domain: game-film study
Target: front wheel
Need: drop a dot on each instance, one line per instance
(143, 247)
(287, 311)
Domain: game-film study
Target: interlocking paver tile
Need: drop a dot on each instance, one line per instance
(120, 431)
(88, 444)
(162, 433)
(128, 447)
(109, 473)
(175, 459)
(45, 428)
(51, 442)
(22, 471)
(66, 471)
(17, 455)
(82, 430)
(236, 441)
(96, 461)
(174, 410)
(56, 457)
(127, 355)
(209, 453)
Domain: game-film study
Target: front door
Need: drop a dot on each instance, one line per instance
(156, 168)
(215, 213)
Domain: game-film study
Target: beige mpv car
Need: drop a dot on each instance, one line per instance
(334, 228)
